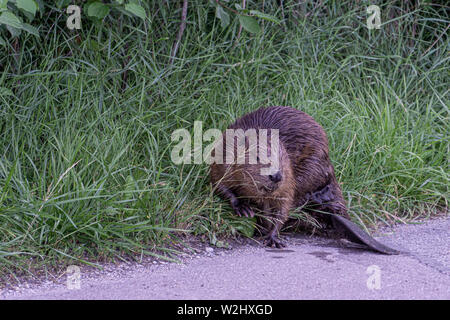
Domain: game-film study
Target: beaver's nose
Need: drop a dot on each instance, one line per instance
(275, 177)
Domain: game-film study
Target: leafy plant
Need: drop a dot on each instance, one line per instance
(245, 16)
(99, 10)
(16, 15)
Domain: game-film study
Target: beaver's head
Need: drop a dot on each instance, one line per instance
(257, 163)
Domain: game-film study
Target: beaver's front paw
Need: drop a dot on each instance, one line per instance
(242, 209)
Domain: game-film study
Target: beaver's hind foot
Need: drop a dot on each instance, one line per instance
(272, 240)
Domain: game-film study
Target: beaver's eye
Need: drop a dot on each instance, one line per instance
(257, 159)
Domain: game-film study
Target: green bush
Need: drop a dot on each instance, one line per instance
(17, 15)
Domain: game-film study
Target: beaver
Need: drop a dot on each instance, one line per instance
(299, 173)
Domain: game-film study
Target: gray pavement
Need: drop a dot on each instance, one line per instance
(309, 268)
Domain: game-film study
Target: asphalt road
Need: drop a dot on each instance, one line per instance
(309, 268)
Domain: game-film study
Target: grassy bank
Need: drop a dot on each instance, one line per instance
(86, 121)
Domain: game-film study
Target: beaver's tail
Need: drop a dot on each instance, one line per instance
(351, 231)
(332, 212)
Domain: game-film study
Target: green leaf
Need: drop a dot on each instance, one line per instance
(29, 16)
(27, 5)
(30, 29)
(98, 10)
(136, 9)
(223, 16)
(3, 4)
(249, 24)
(15, 32)
(264, 16)
(125, 12)
(10, 19)
(2, 43)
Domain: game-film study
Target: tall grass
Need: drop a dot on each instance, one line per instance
(85, 169)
